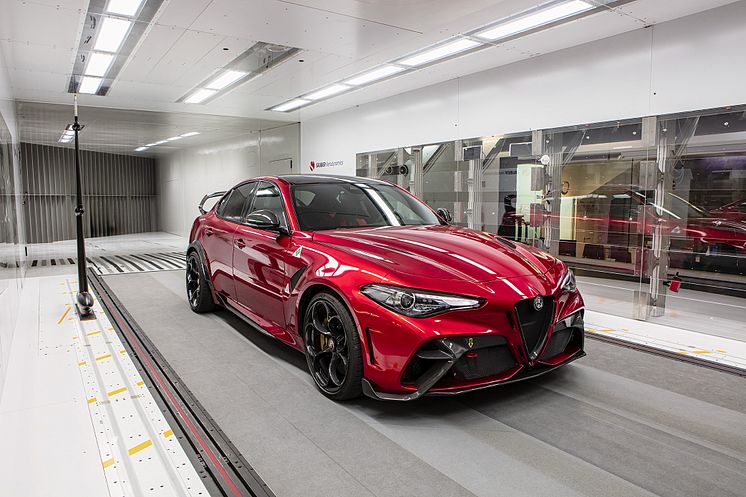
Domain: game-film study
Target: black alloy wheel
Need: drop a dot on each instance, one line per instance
(198, 294)
(332, 347)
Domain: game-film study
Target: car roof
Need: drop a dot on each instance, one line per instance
(301, 179)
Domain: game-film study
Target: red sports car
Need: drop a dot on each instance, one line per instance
(381, 294)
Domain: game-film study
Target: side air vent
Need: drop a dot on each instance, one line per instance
(534, 321)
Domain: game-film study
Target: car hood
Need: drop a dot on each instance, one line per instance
(439, 252)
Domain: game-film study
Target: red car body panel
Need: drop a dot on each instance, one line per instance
(253, 274)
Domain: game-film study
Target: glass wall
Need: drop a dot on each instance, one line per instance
(636, 207)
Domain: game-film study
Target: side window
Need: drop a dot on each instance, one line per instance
(268, 197)
(232, 207)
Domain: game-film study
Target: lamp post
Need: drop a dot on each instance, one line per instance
(83, 300)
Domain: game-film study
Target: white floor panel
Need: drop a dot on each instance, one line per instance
(702, 345)
(77, 416)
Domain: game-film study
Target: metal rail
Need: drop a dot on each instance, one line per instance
(223, 469)
(723, 368)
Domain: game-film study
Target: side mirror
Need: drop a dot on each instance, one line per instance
(444, 214)
(263, 220)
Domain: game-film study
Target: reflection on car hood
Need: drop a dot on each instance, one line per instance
(439, 252)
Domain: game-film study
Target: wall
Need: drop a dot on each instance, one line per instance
(119, 193)
(686, 64)
(186, 176)
(12, 259)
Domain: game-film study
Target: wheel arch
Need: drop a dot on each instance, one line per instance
(314, 288)
(196, 247)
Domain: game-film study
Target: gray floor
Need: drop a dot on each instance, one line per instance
(616, 423)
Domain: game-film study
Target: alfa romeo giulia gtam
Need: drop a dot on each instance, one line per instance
(381, 293)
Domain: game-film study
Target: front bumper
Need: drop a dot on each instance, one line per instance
(456, 365)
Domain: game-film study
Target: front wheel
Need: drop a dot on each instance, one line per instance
(198, 292)
(332, 347)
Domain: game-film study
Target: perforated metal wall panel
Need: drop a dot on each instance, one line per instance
(119, 193)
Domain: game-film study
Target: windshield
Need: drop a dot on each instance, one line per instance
(328, 206)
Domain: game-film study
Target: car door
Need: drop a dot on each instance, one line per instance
(218, 237)
(259, 263)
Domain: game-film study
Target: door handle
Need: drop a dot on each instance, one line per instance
(240, 243)
(208, 231)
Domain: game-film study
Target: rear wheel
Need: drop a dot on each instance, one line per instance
(332, 347)
(198, 292)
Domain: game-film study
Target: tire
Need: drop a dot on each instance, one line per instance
(197, 289)
(330, 339)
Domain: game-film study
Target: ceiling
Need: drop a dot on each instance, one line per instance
(187, 41)
(121, 131)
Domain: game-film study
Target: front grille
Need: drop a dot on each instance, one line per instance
(534, 324)
(558, 343)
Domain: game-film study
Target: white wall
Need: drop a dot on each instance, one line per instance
(691, 63)
(11, 277)
(186, 176)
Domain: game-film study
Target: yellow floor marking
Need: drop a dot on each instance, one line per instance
(92, 400)
(93, 333)
(137, 448)
(122, 351)
(62, 318)
(118, 390)
(82, 363)
(110, 328)
(75, 338)
(168, 433)
(140, 383)
(702, 351)
(683, 352)
(103, 357)
(107, 463)
(721, 351)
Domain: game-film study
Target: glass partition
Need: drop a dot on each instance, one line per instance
(635, 207)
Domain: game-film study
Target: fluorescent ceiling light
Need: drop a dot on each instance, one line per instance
(191, 133)
(98, 64)
(89, 84)
(113, 31)
(327, 92)
(225, 79)
(150, 144)
(124, 7)
(535, 20)
(174, 138)
(140, 149)
(292, 104)
(439, 52)
(199, 95)
(160, 142)
(374, 75)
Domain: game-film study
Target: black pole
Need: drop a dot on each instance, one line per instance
(84, 300)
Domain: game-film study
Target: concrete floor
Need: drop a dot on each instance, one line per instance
(616, 423)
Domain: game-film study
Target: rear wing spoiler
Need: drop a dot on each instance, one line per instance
(208, 197)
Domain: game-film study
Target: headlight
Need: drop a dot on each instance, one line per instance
(568, 282)
(417, 303)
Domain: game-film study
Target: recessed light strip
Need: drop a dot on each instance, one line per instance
(534, 19)
(161, 142)
(106, 41)
(246, 67)
(545, 16)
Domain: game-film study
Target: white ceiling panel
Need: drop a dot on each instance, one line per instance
(339, 38)
(181, 13)
(302, 27)
(189, 49)
(40, 25)
(657, 11)
(153, 48)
